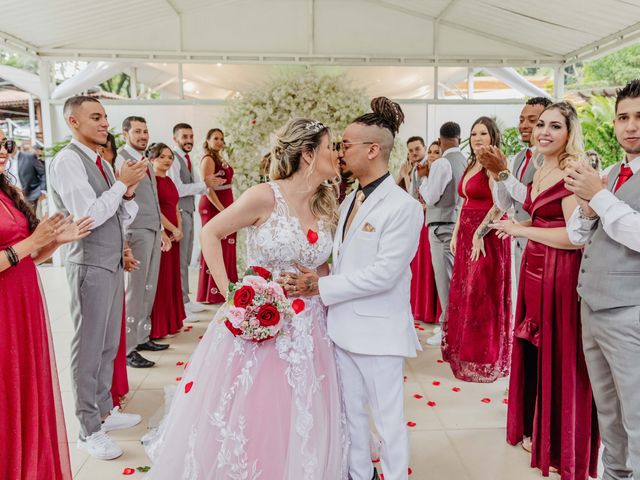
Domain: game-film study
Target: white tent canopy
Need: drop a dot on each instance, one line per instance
(348, 32)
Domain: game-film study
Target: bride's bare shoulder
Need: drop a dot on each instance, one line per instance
(259, 197)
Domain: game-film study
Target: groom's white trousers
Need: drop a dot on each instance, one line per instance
(375, 383)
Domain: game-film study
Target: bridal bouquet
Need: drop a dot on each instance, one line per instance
(257, 307)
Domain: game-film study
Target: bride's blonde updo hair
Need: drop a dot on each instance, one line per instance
(297, 136)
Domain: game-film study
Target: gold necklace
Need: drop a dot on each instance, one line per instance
(539, 183)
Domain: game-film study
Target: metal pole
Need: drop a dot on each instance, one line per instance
(558, 82)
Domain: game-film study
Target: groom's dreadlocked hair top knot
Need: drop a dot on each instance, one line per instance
(386, 114)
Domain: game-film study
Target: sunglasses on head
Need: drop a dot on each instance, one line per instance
(8, 144)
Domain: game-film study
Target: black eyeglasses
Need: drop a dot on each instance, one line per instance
(344, 146)
(8, 144)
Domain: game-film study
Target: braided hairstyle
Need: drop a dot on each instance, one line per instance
(385, 114)
(16, 197)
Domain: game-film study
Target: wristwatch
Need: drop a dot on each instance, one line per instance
(503, 175)
(129, 197)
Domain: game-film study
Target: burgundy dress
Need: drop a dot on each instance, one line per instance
(550, 396)
(33, 438)
(477, 335)
(424, 296)
(168, 312)
(120, 381)
(208, 291)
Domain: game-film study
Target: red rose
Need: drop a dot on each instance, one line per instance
(243, 297)
(232, 329)
(263, 272)
(297, 305)
(312, 237)
(268, 315)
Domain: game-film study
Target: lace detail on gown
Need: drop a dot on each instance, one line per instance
(227, 438)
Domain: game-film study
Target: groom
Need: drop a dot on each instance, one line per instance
(369, 317)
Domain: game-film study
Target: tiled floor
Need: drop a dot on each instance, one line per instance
(457, 437)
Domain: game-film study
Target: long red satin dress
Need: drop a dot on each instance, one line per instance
(477, 334)
(550, 397)
(33, 438)
(424, 295)
(208, 291)
(120, 380)
(168, 312)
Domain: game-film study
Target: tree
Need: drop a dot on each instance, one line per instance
(118, 84)
(617, 68)
(596, 118)
(17, 61)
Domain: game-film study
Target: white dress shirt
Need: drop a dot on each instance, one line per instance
(440, 174)
(131, 151)
(197, 187)
(69, 178)
(619, 220)
(511, 189)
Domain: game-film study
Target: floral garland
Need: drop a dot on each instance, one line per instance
(250, 120)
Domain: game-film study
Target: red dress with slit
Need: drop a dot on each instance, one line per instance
(33, 437)
(550, 397)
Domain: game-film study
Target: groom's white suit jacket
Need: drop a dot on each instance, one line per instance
(368, 291)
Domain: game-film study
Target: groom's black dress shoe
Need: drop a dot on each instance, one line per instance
(135, 360)
(375, 475)
(152, 346)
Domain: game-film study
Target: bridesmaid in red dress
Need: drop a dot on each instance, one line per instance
(120, 381)
(33, 437)
(211, 205)
(550, 401)
(168, 312)
(424, 296)
(477, 335)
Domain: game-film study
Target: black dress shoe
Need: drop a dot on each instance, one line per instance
(135, 360)
(152, 346)
(375, 475)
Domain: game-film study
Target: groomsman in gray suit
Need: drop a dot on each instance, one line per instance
(83, 185)
(510, 187)
(185, 178)
(440, 192)
(144, 238)
(607, 222)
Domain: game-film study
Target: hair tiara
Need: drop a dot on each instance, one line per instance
(315, 126)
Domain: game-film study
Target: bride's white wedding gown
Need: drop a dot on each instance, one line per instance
(268, 411)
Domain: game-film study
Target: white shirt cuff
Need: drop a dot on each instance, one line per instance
(602, 200)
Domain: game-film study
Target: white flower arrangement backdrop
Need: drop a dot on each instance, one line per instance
(251, 120)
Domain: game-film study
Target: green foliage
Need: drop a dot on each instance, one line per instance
(511, 143)
(596, 118)
(118, 84)
(13, 60)
(617, 68)
(251, 120)
(56, 147)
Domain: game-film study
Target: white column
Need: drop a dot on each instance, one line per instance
(133, 84)
(32, 120)
(470, 83)
(558, 82)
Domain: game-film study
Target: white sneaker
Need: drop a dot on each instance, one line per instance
(435, 339)
(194, 307)
(100, 446)
(118, 420)
(438, 329)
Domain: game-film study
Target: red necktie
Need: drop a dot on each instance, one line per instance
(527, 157)
(101, 168)
(624, 175)
(188, 161)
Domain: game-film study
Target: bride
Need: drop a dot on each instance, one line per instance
(270, 410)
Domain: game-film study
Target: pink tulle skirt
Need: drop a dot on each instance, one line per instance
(245, 410)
